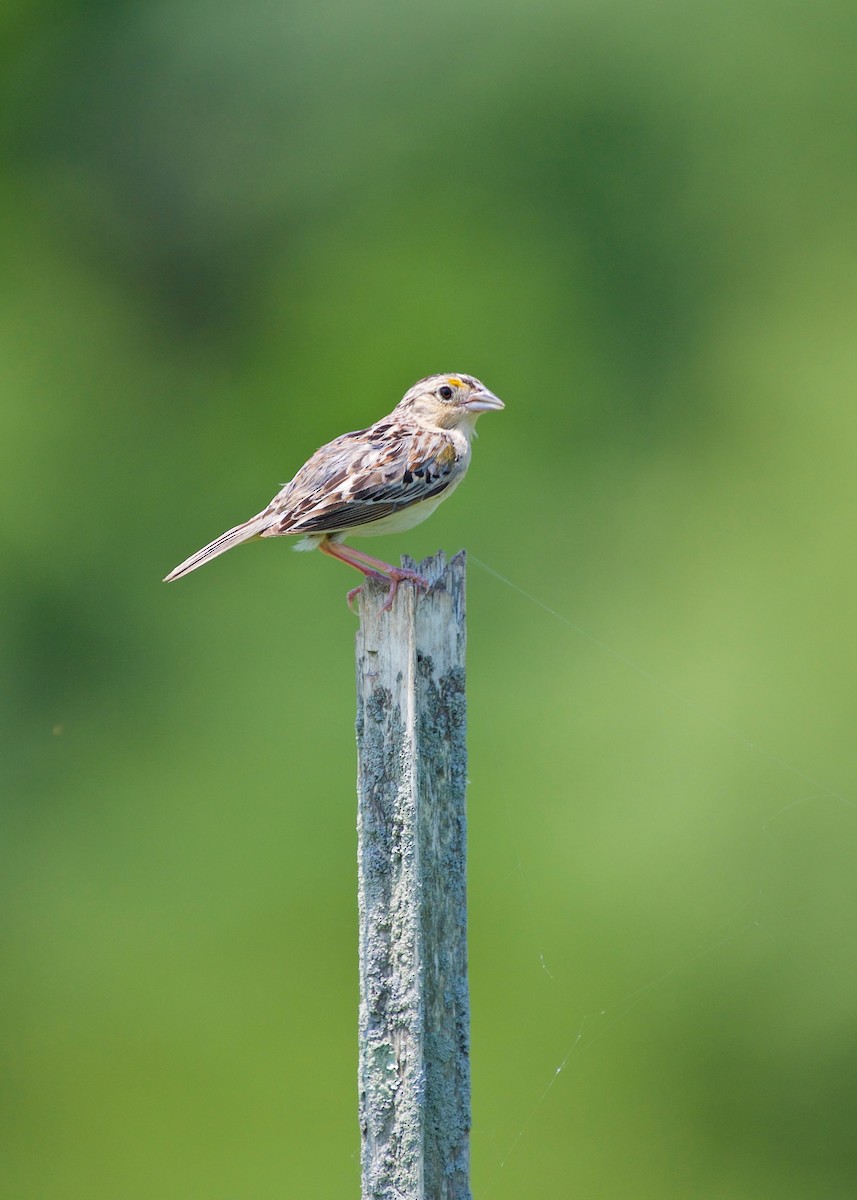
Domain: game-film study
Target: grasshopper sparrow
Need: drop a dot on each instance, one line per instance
(383, 479)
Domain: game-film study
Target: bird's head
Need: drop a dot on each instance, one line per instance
(449, 401)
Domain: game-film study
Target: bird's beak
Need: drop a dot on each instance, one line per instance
(483, 401)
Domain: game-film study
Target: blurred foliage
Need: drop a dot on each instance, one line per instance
(230, 232)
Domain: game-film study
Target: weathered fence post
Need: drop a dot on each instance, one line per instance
(414, 1069)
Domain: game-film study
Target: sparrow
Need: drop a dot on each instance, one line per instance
(383, 479)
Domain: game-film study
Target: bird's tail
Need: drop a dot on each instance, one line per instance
(233, 537)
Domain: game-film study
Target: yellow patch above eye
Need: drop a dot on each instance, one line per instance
(454, 381)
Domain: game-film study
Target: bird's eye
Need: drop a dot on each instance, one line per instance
(445, 392)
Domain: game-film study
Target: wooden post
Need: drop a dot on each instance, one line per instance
(414, 1068)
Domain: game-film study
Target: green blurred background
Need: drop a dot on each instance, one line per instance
(230, 232)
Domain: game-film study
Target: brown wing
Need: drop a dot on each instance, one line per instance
(362, 477)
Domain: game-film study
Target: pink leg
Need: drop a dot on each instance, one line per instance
(372, 566)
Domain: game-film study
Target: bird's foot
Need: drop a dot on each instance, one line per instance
(358, 591)
(402, 575)
(394, 577)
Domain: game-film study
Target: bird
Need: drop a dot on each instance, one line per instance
(383, 479)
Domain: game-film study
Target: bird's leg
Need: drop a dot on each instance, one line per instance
(372, 566)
